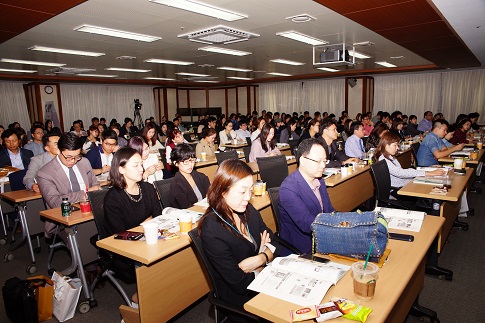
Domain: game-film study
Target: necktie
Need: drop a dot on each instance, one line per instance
(74, 183)
(361, 145)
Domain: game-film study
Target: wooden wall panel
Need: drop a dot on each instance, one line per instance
(197, 98)
(242, 95)
(217, 98)
(171, 103)
(231, 101)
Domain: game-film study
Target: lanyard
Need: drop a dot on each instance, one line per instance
(220, 217)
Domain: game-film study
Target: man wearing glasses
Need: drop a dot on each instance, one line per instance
(303, 195)
(354, 146)
(427, 123)
(36, 146)
(67, 175)
(100, 157)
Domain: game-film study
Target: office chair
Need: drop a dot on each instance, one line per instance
(163, 189)
(273, 170)
(274, 196)
(213, 295)
(105, 260)
(248, 140)
(188, 137)
(414, 149)
(247, 151)
(293, 145)
(224, 155)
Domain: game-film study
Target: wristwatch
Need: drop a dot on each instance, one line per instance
(266, 257)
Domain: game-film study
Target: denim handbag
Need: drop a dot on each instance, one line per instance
(350, 233)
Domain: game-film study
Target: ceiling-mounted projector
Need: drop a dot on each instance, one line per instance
(337, 54)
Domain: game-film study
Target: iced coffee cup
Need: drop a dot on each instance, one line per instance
(203, 156)
(364, 279)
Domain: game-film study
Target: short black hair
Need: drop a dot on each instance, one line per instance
(109, 134)
(10, 131)
(354, 126)
(182, 152)
(412, 117)
(94, 119)
(327, 122)
(473, 115)
(76, 122)
(70, 141)
(102, 119)
(46, 137)
(305, 146)
(439, 122)
(385, 115)
(35, 127)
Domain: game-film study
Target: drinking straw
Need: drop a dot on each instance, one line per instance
(368, 255)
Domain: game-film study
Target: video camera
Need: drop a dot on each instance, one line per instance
(137, 104)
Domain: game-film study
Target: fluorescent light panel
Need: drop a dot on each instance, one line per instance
(207, 81)
(193, 74)
(302, 37)
(285, 61)
(127, 70)
(385, 64)
(19, 61)
(158, 78)
(239, 78)
(16, 71)
(278, 74)
(167, 61)
(202, 8)
(358, 55)
(65, 51)
(221, 50)
(233, 69)
(97, 75)
(116, 33)
(327, 69)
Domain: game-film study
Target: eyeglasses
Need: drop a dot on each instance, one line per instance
(109, 144)
(316, 161)
(189, 161)
(71, 158)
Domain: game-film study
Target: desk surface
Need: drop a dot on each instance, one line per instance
(255, 168)
(76, 217)
(423, 190)
(394, 276)
(244, 144)
(21, 196)
(468, 161)
(338, 178)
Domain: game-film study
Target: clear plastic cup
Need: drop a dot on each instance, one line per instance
(364, 279)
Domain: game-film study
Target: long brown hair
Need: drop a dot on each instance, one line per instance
(386, 139)
(229, 173)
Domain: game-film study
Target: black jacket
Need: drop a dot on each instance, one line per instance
(182, 195)
(336, 157)
(25, 153)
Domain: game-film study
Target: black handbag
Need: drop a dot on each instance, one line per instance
(19, 300)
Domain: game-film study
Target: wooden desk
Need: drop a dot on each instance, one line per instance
(244, 144)
(348, 192)
(400, 281)
(449, 204)
(19, 199)
(468, 160)
(171, 278)
(292, 166)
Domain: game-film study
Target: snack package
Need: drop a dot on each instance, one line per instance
(353, 311)
(304, 313)
(328, 311)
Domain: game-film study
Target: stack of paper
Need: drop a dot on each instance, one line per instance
(402, 219)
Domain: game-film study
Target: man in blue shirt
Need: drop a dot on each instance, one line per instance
(433, 148)
(427, 123)
(354, 146)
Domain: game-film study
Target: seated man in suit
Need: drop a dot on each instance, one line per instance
(335, 157)
(37, 162)
(303, 195)
(67, 175)
(433, 148)
(13, 155)
(354, 146)
(101, 156)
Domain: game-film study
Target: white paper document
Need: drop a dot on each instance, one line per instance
(402, 219)
(298, 281)
(203, 202)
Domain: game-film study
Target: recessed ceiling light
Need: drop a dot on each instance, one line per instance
(127, 70)
(221, 50)
(358, 55)
(327, 69)
(66, 51)
(385, 64)
(202, 8)
(239, 78)
(285, 61)
(279, 74)
(16, 71)
(397, 57)
(302, 37)
(363, 43)
(97, 75)
(19, 61)
(205, 81)
(126, 57)
(116, 33)
(193, 74)
(233, 69)
(159, 78)
(301, 18)
(167, 61)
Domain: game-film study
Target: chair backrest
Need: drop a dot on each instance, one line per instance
(415, 148)
(382, 180)
(188, 137)
(162, 156)
(163, 189)
(273, 170)
(224, 155)
(247, 151)
(97, 205)
(274, 196)
(248, 140)
(16, 180)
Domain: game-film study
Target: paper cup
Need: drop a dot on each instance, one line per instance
(185, 222)
(344, 171)
(458, 163)
(151, 232)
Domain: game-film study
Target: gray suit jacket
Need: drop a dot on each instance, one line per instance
(36, 163)
(54, 183)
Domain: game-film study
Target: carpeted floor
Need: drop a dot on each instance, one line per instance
(455, 301)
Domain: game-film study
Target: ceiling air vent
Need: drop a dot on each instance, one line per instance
(218, 35)
(71, 70)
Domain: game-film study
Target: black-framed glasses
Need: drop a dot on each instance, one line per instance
(189, 161)
(71, 158)
(316, 161)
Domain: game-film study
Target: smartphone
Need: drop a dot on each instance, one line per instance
(402, 237)
(74, 208)
(310, 257)
(129, 235)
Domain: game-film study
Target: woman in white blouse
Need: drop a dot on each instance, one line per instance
(386, 150)
(151, 136)
(227, 136)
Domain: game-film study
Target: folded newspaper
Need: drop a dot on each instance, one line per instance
(402, 219)
(299, 281)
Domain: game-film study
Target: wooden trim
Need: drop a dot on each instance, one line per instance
(237, 99)
(364, 94)
(346, 95)
(207, 98)
(178, 103)
(227, 101)
(38, 105)
(256, 88)
(165, 103)
(59, 101)
(188, 99)
(248, 103)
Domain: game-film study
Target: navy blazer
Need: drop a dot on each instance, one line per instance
(25, 155)
(94, 157)
(298, 207)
